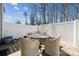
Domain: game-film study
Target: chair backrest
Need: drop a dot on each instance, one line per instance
(29, 47)
(54, 38)
(52, 46)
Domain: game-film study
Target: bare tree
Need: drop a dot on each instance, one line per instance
(75, 13)
(33, 15)
(25, 14)
(76, 6)
(48, 13)
(51, 13)
(42, 12)
(64, 12)
(32, 19)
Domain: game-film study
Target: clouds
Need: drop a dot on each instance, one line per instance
(8, 19)
(26, 8)
(11, 19)
(16, 8)
(15, 5)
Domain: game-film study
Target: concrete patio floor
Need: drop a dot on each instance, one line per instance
(18, 53)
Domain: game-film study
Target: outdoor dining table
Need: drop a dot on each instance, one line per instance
(41, 38)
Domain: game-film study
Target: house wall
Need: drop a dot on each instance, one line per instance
(0, 21)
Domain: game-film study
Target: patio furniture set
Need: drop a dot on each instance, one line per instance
(31, 45)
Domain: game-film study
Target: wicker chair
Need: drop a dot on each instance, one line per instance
(52, 46)
(29, 47)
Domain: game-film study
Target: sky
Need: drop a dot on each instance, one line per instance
(14, 11)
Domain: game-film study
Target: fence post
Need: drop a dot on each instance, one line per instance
(75, 31)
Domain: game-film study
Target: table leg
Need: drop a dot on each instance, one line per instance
(40, 46)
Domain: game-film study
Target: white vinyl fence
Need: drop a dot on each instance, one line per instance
(66, 30)
(69, 31)
(77, 33)
(16, 30)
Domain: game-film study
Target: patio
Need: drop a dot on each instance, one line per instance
(39, 29)
(68, 43)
